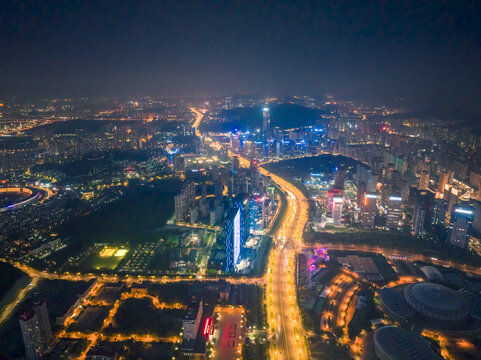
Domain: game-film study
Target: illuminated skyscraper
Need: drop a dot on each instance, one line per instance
(462, 217)
(337, 209)
(266, 122)
(394, 213)
(232, 234)
(368, 209)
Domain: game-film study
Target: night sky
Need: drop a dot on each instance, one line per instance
(428, 52)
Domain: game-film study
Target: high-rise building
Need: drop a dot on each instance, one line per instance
(266, 122)
(40, 308)
(218, 189)
(361, 192)
(203, 188)
(235, 164)
(330, 201)
(179, 164)
(242, 203)
(394, 214)
(183, 201)
(191, 320)
(440, 209)
(232, 235)
(180, 207)
(368, 209)
(31, 333)
(194, 214)
(451, 196)
(36, 331)
(339, 179)
(461, 223)
(337, 209)
(423, 209)
(443, 181)
(423, 180)
(477, 216)
(419, 217)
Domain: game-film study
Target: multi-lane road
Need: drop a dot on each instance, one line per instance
(284, 314)
(285, 323)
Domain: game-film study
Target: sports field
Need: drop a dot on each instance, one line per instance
(107, 258)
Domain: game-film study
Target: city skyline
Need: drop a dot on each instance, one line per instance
(420, 53)
(240, 180)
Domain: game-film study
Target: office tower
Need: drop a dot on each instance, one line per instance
(419, 217)
(361, 192)
(368, 209)
(337, 209)
(242, 202)
(203, 188)
(423, 180)
(423, 209)
(253, 165)
(36, 331)
(330, 201)
(443, 181)
(461, 223)
(232, 235)
(394, 213)
(451, 196)
(339, 179)
(266, 122)
(440, 209)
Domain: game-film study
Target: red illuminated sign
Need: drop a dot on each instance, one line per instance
(208, 327)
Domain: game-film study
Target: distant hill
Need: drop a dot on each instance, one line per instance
(250, 118)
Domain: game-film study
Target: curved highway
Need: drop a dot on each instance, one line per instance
(285, 324)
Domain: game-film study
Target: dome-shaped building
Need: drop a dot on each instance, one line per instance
(431, 306)
(436, 301)
(393, 343)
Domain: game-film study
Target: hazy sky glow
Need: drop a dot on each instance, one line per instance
(426, 51)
